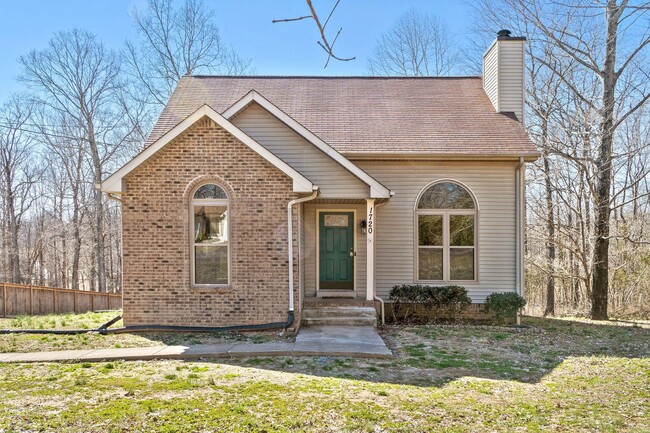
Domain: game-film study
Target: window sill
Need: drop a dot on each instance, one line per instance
(448, 283)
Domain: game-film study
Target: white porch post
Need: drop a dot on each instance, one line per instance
(370, 238)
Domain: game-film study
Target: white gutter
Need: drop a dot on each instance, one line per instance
(313, 195)
(413, 156)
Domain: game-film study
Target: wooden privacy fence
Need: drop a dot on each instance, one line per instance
(19, 299)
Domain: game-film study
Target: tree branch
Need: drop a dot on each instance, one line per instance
(323, 42)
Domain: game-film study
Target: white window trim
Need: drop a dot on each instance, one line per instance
(445, 236)
(193, 244)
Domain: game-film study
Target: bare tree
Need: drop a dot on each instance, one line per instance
(19, 174)
(68, 177)
(575, 33)
(598, 55)
(543, 103)
(176, 42)
(417, 45)
(77, 77)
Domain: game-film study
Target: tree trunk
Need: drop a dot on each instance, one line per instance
(5, 244)
(600, 275)
(41, 250)
(12, 223)
(550, 232)
(76, 237)
(99, 210)
(64, 248)
(76, 252)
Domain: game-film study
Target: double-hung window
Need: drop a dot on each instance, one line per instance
(210, 233)
(445, 217)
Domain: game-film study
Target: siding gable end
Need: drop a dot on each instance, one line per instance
(334, 181)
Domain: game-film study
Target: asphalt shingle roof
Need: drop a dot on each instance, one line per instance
(368, 115)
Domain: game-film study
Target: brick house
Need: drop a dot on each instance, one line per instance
(260, 195)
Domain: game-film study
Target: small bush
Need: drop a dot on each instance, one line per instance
(504, 306)
(436, 299)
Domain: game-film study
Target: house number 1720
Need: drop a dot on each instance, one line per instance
(370, 210)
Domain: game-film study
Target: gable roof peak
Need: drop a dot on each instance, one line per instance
(114, 184)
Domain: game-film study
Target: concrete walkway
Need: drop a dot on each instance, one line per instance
(352, 341)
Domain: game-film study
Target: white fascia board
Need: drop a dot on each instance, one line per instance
(114, 184)
(377, 190)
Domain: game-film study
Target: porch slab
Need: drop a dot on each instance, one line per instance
(361, 341)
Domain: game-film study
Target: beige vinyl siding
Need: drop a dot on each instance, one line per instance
(492, 183)
(490, 75)
(311, 243)
(511, 77)
(503, 76)
(334, 181)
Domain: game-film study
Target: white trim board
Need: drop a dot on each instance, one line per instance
(377, 190)
(114, 183)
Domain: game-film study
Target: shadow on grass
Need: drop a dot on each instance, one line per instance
(429, 355)
(435, 355)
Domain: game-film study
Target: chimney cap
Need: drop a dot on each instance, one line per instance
(505, 35)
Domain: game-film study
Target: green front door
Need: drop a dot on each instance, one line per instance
(336, 250)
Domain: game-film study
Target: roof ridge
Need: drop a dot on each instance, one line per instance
(329, 77)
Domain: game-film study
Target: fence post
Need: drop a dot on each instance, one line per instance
(54, 300)
(31, 300)
(4, 299)
(74, 302)
(92, 301)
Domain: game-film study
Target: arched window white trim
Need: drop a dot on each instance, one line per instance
(446, 233)
(210, 236)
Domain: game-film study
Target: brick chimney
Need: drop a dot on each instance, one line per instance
(503, 73)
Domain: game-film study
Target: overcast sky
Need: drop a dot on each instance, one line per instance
(275, 49)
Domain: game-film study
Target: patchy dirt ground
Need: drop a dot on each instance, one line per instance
(553, 375)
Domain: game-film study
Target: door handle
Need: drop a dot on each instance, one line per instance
(353, 253)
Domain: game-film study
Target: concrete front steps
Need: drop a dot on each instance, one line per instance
(338, 312)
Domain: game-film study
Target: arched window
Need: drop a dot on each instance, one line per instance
(445, 216)
(210, 233)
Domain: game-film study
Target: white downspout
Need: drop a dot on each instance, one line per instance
(313, 195)
(114, 197)
(519, 219)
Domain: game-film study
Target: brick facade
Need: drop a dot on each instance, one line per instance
(474, 312)
(156, 233)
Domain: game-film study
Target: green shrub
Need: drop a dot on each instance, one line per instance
(504, 306)
(436, 299)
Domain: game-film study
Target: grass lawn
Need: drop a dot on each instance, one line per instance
(556, 375)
